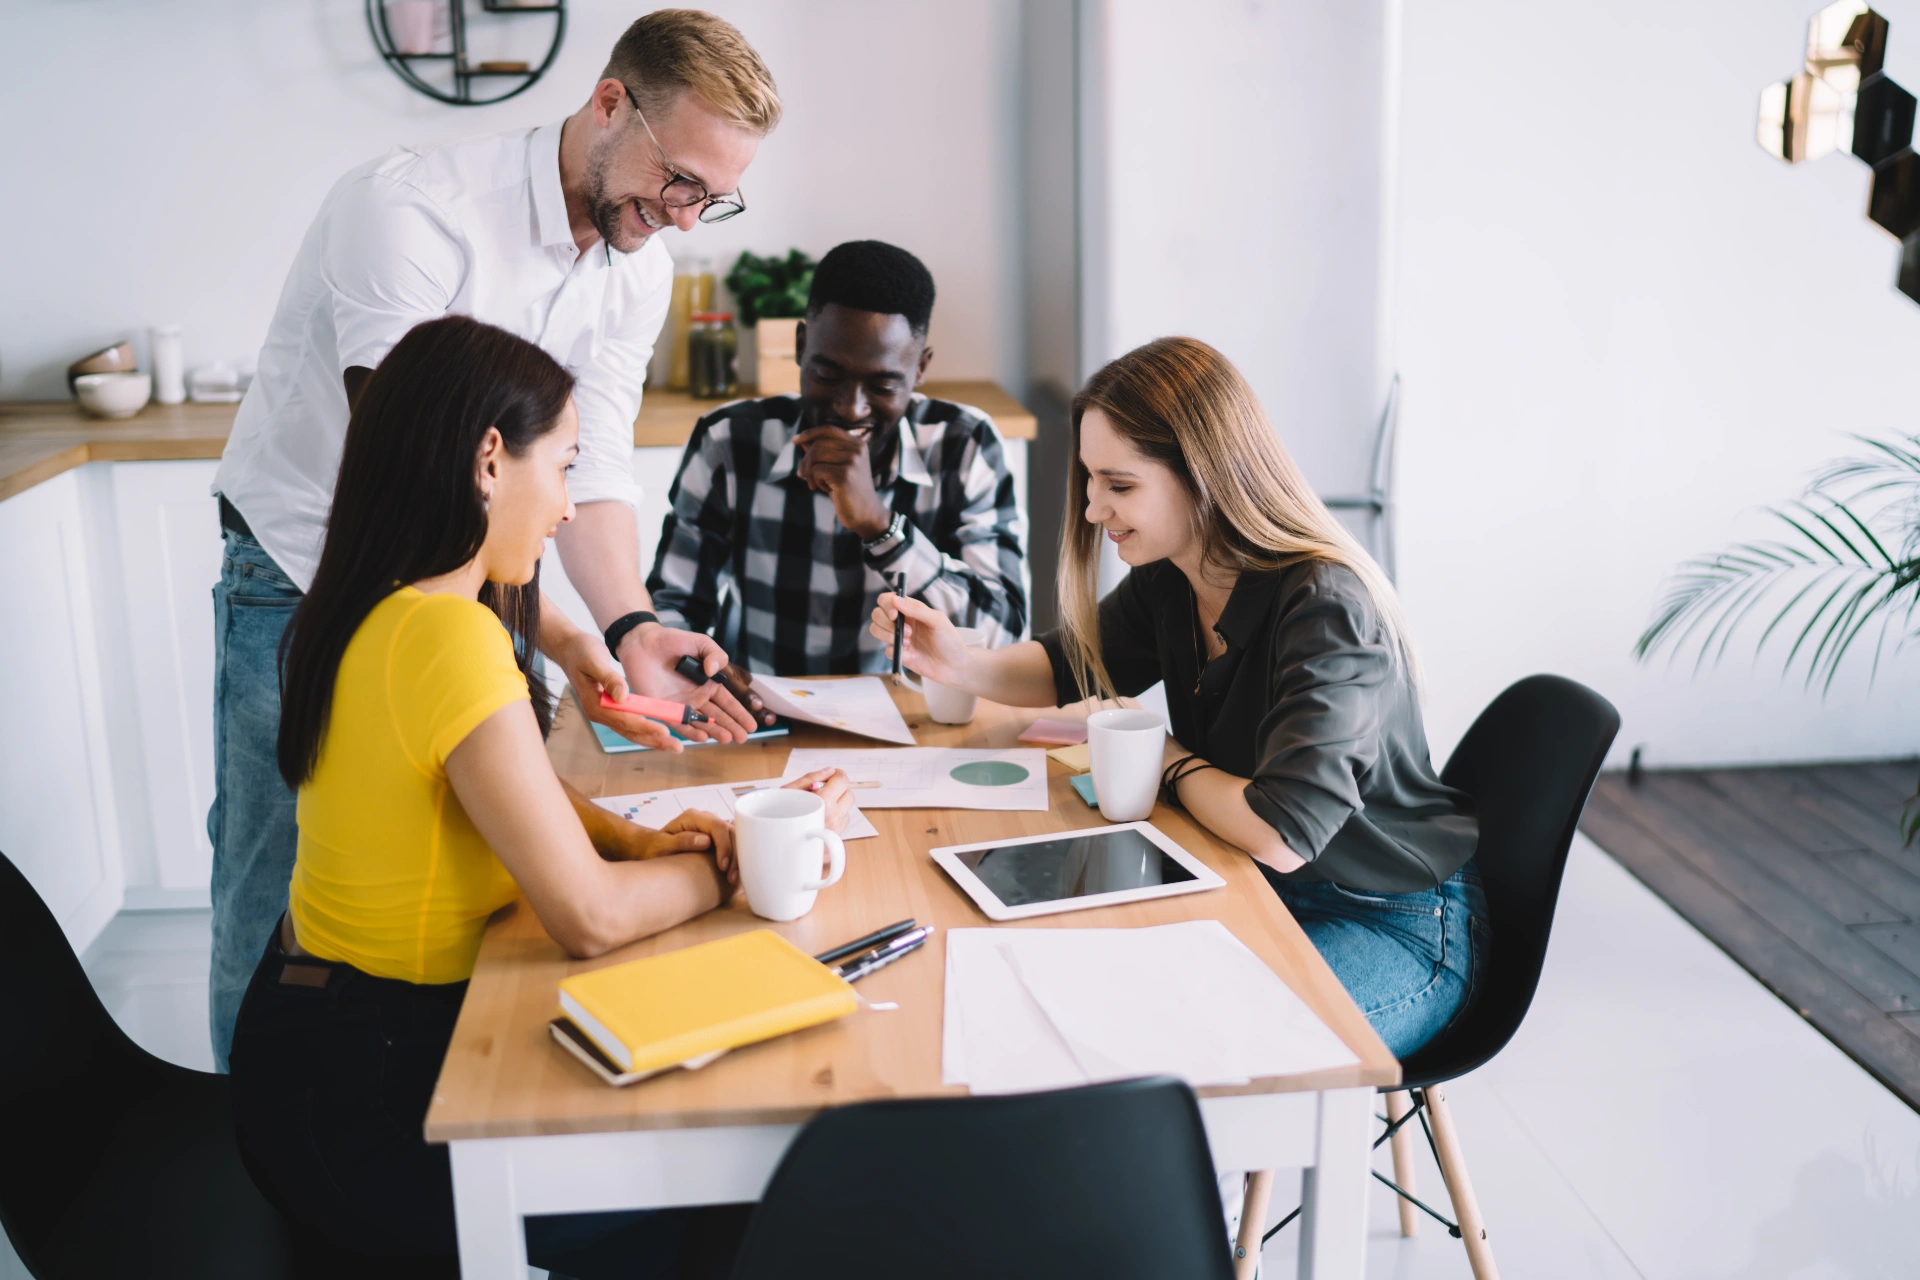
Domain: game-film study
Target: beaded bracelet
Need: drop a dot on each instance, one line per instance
(1170, 780)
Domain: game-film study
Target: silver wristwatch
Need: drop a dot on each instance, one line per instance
(896, 530)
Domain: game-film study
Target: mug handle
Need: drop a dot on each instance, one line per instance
(837, 858)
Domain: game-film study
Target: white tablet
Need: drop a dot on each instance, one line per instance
(1074, 870)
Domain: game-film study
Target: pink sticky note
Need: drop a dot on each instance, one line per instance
(1057, 733)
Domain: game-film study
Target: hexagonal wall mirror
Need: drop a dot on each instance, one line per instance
(1841, 98)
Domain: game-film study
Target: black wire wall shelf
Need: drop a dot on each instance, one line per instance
(466, 74)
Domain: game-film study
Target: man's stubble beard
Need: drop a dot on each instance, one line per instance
(607, 214)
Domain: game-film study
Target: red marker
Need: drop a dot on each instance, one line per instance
(658, 708)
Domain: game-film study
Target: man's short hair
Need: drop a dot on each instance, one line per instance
(872, 275)
(675, 51)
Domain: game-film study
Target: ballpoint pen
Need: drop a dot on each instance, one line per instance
(657, 708)
(898, 582)
(860, 966)
(873, 939)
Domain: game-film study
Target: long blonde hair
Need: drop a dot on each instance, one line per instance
(1183, 404)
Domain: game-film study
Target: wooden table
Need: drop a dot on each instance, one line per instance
(533, 1132)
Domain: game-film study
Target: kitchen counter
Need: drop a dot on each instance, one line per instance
(41, 439)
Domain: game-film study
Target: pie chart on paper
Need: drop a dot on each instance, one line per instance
(989, 773)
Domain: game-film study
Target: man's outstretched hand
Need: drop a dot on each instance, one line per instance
(648, 654)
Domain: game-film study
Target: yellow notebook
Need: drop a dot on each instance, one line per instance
(699, 1001)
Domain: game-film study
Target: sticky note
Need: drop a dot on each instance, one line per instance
(1076, 758)
(1059, 733)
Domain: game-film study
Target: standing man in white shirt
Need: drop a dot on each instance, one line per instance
(547, 233)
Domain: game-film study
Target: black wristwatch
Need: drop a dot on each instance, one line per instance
(623, 624)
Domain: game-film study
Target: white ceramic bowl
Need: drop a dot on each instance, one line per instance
(113, 395)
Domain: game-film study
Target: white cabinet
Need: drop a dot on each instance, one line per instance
(168, 534)
(57, 813)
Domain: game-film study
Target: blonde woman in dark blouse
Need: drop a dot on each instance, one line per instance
(1292, 687)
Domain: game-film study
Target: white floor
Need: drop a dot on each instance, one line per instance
(1660, 1115)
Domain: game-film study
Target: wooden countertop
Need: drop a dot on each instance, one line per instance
(41, 439)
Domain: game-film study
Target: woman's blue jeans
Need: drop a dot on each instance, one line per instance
(1411, 961)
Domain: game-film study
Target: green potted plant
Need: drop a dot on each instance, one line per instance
(1847, 565)
(770, 295)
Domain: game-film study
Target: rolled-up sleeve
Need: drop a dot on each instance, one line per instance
(1331, 674)
(969, 565)
(1128, 641)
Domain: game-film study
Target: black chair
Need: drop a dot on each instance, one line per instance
(1111, 1180)
(112, 1162)
(1529, 762)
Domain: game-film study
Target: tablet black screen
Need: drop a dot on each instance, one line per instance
(1073, 867)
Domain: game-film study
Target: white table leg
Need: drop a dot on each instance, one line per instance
(1333, 1215)
(493, 1245)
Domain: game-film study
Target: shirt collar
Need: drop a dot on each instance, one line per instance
(909, 463)
(543, 173)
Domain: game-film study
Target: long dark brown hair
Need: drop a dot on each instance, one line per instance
(407, 506)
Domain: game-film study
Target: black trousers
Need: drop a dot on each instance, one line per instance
(332, 1073)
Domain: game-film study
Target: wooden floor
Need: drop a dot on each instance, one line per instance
(1799, 874)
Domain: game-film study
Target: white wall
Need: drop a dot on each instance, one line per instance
(1237, 180)
(1624, 330)
(162, 158)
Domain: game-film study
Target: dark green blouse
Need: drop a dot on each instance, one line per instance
(1309, 704)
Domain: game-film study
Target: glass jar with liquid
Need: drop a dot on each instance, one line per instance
(693, 284)
(712, 348)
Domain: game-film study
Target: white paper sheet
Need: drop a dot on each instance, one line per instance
(856, 704)
(936, 777)
(1045, 1008)
(996, 1039)
(655, 809)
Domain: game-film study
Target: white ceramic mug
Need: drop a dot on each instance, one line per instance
(779, 836)
(1126, 747)
(946, 705)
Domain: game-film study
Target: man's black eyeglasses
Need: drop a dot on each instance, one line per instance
(683, 192)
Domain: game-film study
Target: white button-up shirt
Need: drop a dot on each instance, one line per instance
(476, 227)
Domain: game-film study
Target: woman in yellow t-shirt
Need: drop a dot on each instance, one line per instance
(413, 729)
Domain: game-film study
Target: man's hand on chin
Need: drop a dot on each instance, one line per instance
(836, 463)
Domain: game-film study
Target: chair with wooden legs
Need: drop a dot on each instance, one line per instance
(1529, 762)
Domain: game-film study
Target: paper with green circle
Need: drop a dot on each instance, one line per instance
(989, 773)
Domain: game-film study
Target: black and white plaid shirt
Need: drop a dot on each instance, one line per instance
(808, 585)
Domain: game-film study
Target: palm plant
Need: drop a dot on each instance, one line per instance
(1832, 568)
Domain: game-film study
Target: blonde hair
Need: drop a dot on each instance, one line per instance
(671, 51)
(1183, 404)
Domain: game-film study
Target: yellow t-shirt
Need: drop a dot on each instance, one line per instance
(391, 876)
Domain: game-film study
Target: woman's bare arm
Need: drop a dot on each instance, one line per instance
(587, 904)
(1217, 800)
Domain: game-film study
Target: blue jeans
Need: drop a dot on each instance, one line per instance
(1411, 961)
(252, 822)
